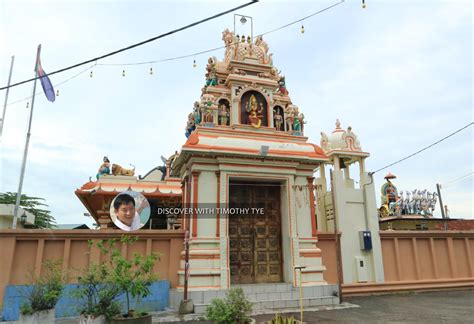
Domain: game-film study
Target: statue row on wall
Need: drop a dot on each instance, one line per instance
(204, 113)
(416, 202)
(254, 112)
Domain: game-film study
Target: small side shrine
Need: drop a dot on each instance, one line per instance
(351, 210)
(160, 189)
(246, 151)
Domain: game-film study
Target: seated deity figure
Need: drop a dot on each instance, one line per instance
(255, 113)
(104, 168)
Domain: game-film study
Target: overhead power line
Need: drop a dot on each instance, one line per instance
(425, 148)
(221, 47)
(187, 55)
(457, 179)
(137, 44)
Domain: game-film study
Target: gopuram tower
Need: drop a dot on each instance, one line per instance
(246, 148)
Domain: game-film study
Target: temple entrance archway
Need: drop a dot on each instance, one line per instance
(255, 246)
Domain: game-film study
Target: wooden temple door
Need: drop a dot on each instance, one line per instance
(255, 237)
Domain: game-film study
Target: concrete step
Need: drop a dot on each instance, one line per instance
(265, 288)
(265, 296)
(282, 303)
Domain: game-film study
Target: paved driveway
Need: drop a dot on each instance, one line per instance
(429, 307)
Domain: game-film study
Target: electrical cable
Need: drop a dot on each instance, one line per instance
(445, 185)
(187, 55)
(423, 149)
(56, 85)
(136, 44)
(220, 47)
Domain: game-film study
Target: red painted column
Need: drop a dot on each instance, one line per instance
(195, 175)
(218, 202)
(314, 225)
(185, 198)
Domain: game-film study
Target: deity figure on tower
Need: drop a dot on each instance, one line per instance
(254, 111)
(278, 119)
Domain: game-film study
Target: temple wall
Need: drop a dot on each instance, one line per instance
(412, 259)
(207, 199)
(302, 207)
(24, 251)
(357, 212)
(422, 260)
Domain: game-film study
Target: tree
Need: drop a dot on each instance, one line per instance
(34, 205)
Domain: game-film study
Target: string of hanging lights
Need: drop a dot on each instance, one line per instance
(302, 30)
(194, 65)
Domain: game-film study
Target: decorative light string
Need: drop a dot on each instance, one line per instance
(91, 74)
(224, 46)
(56, 85)
(136, 44)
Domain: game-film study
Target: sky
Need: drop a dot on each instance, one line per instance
(398, 72)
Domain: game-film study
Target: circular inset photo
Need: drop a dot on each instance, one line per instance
(130, 210)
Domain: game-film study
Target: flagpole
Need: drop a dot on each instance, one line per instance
(6, 97)
(28, 134)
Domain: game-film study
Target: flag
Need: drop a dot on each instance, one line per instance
(45, 82)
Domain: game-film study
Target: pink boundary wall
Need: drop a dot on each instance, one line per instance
(413, 260)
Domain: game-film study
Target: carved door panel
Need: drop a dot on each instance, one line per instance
(255, 238)
(240, 238)
(268, 259)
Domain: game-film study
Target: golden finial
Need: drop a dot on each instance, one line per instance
(249, 40)
(151, 71)
(194, 64)
(363, 4)
(302, 29)
(123, 73)
(242, 39)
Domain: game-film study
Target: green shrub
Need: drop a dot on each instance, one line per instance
(278, 319)
(235, 308)
(98, 292)
(103, 283)
(47, 289)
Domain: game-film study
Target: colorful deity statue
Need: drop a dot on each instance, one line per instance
(209, 116)
(223, 114)
(190, 125)
(211, 75)
(289, 117)
(104, 168)
(278, 119)
(390, 199)
(254, 111)
(301, 122)
(282, 86)
(197, 113)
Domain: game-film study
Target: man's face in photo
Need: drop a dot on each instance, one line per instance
(126, 213)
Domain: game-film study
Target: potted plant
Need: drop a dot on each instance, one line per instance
(45, 293)
(133, 278)
(98, 295)
(235, 308)
(96, 291)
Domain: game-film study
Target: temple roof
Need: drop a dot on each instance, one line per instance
(342, 142)
(110, 184)
(243, 140)
(93, 193)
